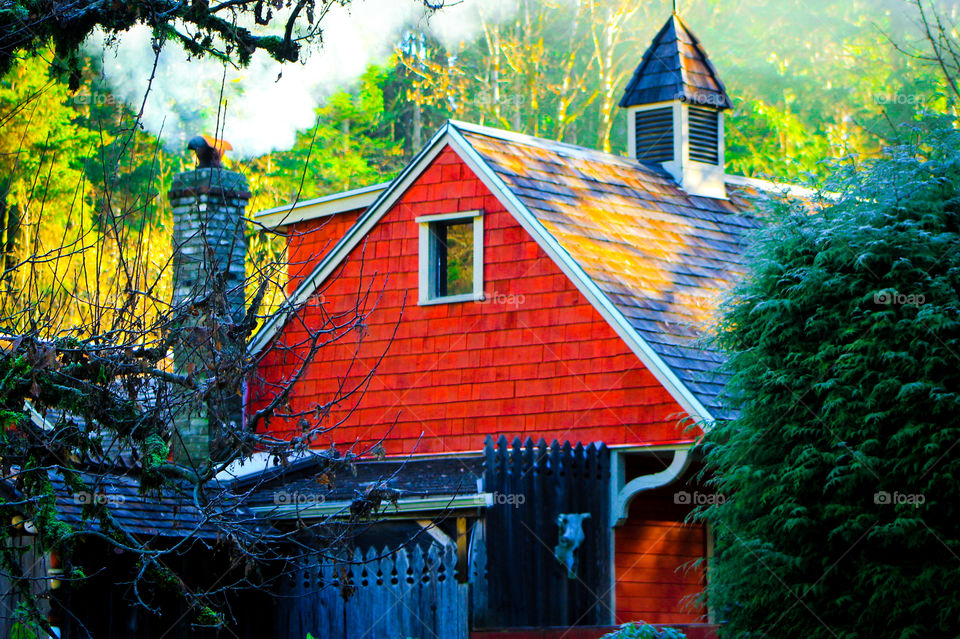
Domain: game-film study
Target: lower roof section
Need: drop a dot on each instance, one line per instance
(382, 488)
(167, 512)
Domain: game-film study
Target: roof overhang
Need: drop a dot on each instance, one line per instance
(326, 206)
(776, 188)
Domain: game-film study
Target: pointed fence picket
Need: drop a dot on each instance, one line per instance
(376, 595)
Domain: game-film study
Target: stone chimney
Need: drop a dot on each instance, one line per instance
(209, 255)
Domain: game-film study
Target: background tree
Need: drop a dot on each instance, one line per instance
(839, 516)
(87, 374)
(232, 30)
(350, 146)
(809, 79)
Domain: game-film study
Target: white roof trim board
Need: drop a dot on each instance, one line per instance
(433, 503)
(320, 207)
(450, 135)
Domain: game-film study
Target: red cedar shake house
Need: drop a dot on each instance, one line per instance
(533, 365)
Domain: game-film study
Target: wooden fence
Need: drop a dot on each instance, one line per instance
(406, 594)
(516, 579)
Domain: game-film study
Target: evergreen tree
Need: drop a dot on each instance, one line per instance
(841, 515)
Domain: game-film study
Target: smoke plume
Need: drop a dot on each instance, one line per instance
(267, 103)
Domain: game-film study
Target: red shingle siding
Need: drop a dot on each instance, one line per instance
(534, 359)
(653, 551)
(308, 242)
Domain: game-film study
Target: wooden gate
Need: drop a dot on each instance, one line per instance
(517, 581)
(383, 595)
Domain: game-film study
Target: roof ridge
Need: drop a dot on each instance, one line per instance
(556, 146)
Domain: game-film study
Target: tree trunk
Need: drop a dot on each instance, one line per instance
(10, 222)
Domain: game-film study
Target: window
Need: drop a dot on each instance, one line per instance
(451, 257)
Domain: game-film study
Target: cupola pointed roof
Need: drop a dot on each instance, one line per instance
(676, 67)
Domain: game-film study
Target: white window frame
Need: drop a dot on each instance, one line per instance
(428, 268)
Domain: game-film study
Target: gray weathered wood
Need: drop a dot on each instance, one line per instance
(394, 596)
(522, 583)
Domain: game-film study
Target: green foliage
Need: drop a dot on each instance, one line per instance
(770, 140)
(77, 181)
(841, 515)
(22, 630)
(207, 617)
(643, 631)
(36, 483)
(202, 28)
(155, 453)
(42, 145)
(810, 79)
(350, 146)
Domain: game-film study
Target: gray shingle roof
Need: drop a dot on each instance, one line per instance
(410, 478)
(676, 67)
(167, 512)
(661, 256)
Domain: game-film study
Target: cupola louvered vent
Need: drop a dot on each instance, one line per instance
(704, 135)
(676, 106)
(654, 131)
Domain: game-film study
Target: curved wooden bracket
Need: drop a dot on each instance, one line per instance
(621, 504)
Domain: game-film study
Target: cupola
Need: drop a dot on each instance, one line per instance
(675, 103)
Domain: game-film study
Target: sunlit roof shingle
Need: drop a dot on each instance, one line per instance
(662, 257)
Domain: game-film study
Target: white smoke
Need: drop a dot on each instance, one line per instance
(267, 103)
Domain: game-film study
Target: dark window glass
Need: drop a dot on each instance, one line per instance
(452, 258)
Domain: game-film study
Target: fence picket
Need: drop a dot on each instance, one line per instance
(478, 577)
